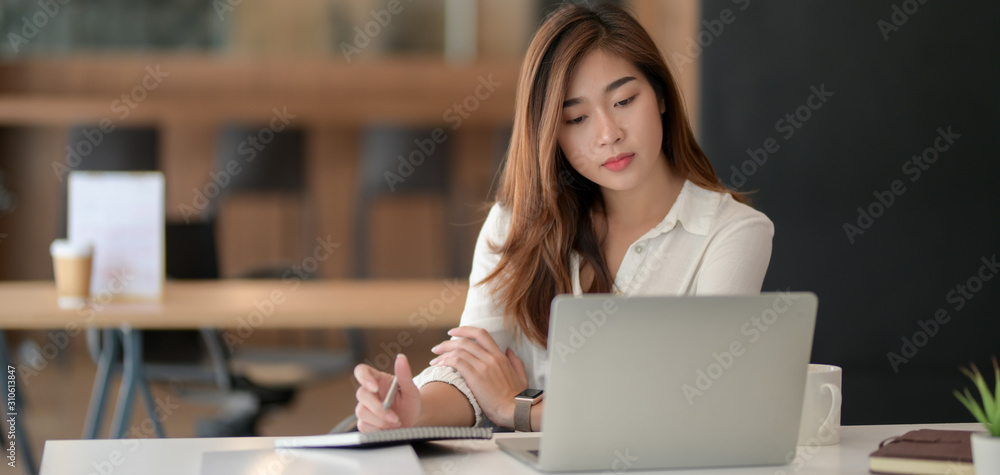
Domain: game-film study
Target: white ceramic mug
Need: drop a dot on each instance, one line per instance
(820, 424)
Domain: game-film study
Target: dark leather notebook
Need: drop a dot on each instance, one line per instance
(924, 451)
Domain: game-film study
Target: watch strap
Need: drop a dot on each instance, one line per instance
(522, 415)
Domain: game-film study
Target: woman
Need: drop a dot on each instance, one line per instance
(604, 190)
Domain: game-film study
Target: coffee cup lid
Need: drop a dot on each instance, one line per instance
(66, 248)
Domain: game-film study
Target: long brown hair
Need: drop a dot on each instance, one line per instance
(548, 200)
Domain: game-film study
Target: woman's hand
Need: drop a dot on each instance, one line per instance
(373, 385)
(493, 376)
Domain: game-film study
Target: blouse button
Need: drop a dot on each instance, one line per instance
(638, 249)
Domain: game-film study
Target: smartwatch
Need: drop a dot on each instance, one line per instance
(522, 408)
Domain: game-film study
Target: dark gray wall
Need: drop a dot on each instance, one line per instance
(890, 98)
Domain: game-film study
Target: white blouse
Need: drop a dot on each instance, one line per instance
(721, 247)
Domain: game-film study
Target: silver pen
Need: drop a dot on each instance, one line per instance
(351, 421)
(391, 395)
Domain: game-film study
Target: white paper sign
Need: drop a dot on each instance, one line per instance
(122, 215)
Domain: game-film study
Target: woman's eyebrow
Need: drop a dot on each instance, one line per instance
(607, 90)
(618, 83)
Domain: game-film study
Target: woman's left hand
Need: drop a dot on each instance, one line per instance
(494, 377)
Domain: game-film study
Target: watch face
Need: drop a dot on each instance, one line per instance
(529, 393)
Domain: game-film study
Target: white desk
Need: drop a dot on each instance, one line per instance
(481, 457)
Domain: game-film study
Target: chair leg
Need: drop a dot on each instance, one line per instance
(123, 407)
(99, 394)
(219, 358)
(147, 396)
(134, 337)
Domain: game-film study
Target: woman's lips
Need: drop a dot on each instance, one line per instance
(619, 162)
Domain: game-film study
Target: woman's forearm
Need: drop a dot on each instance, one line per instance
(442, 404)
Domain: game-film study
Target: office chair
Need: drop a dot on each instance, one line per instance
(277, 166)
(382, 147)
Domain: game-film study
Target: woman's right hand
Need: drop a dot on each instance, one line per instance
(373, 385)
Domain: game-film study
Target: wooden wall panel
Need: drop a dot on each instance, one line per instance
(505, 28)
(187, 154)
(408, 237)
(259, 231)
(26, 158)
(331, 183)
(276, 28)
(474, 165)
(672, 25)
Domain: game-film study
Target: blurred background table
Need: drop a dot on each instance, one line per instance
(243, 305)
(224, 303)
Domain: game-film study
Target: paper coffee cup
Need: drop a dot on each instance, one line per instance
(820, 423)
(72, 263)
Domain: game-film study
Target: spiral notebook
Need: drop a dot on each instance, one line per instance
(384, 437)
(394, 460)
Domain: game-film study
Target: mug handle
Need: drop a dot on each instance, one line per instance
(834, 406)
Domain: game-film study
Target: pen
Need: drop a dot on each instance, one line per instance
(391, 395)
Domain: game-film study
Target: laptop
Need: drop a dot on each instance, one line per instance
(672, 382)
